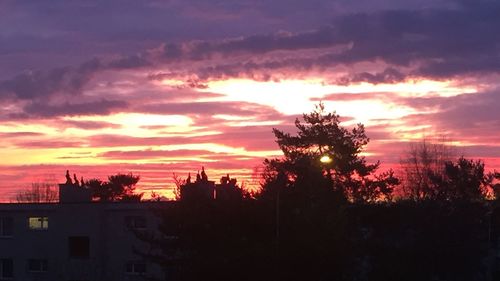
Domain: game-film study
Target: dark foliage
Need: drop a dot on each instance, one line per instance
(327, 220)
(423, 168)
(429, 240)
(430, 173)
(40, 192)
(465, 179)
(119, 187)
(344, 172)
(422, 241)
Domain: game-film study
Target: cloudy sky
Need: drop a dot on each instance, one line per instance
(157, 87)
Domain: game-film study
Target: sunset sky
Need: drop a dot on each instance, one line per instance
(157, 87)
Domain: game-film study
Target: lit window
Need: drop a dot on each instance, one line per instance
(136, 222)
(6, 269)
(135, 268)
(38, 223)
(6, 226)
(38, 265)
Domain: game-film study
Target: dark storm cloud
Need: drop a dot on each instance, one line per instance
(357, 97)
(46, 34)
(462, 37)
(444, 43)
(480, 64)
(43, 84)
(101, 107)
(471, 110)
(209, 108)
(134, 61)
(87, 125)
(388, 76)
(264, 70)
(461, 114)
(436, 43)
(255, 44)
(482, 151)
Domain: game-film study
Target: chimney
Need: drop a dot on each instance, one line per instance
(71, 193)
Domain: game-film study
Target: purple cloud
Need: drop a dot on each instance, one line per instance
(43, 110)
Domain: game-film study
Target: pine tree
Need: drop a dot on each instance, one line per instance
(323, 155)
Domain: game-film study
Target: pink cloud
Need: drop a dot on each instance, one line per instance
(49, 143)
(152, 154)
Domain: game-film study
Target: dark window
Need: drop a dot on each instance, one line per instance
(6, 269)
(79, 247)
(135, 268)
(6, 226)
(136, 222)
(38, 265)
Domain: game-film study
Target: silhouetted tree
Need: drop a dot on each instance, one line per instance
(119, 187)
(423, 169)
(100, 190)
(496, 187)
(179, 182)
(465, 179)
(40, 192)
(416, 241)
(321, 168)
(431, 172)
(296, 230)
(157, 197)
(325, 156)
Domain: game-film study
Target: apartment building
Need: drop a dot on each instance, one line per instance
(76, 239)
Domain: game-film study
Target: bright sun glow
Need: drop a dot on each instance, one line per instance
(73, 144)
(172, 82)
(288, 97)
(297, 96)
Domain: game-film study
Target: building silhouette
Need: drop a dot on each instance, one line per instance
(204, 189)
(76, 239)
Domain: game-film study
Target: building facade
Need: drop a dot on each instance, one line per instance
(76, 239)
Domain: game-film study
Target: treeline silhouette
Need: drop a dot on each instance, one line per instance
(117, 188)
(324, 213)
